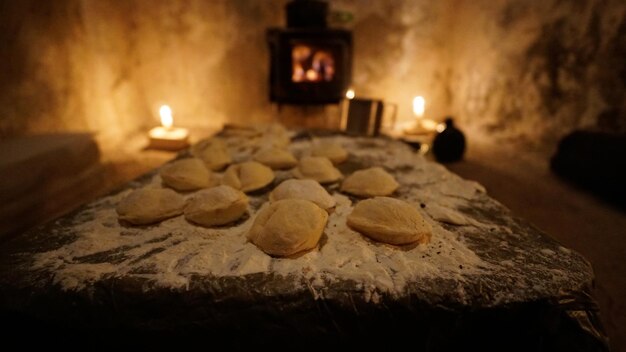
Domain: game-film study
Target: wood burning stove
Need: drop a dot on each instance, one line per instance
(310, 63)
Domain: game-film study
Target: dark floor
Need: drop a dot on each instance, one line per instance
(574, 217)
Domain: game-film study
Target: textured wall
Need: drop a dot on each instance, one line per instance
(108, 65)
(512, 69)
(400, 52)
(535, 70)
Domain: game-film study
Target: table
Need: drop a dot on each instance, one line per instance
(486, 280)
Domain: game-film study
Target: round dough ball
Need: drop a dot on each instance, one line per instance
(390, 221)
(186, 175)
(274, 140)
(275, 128)
(273, 135)
(216, 206)
(276, 158)
(213, 152)
(288, 226)
(332, 151)
(317, 168)
(150, 205)
(370, 182)
(303, 189)
(234, 130)
(248, 176)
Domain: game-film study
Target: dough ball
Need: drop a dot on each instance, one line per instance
(234, 130)
(303, 189)
(274, 140)
(213, 152)
(186, 175)
(275, 129)
(371, 182)
(216, 206)
(288, 226)
(150, 205)
(332, 151)
(248, 176)
(317, 168)
(390, 221)
(276, 158)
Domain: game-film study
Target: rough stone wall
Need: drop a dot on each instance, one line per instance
(107, 65)
(400, 51)
(531, 71)
(508, 69)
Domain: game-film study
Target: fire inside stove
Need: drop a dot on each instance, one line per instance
(311, 64)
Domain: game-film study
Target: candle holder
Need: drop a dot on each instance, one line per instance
(167, 137)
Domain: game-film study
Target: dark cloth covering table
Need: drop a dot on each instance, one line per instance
(487, 279)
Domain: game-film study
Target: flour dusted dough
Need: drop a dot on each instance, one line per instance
(213, 152)
(303, 189)
(288, 226)
(332, 151)
(276, 158)
(389, 220)
(274, 135)
(248, 176)
(317, 168)
(150, 205)
(216, 206)
(245, 131)
(186, 175)
(370, 183)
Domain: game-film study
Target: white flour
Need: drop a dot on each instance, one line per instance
(168, 253)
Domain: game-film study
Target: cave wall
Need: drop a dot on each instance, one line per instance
(509, 69)
(107, 66)
(532, 71)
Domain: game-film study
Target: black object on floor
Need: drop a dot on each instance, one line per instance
(449, 145)
(595, 161)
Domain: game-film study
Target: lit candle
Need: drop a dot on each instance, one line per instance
(166, 136)
(419, 106)
(422, 125)
(165, 112)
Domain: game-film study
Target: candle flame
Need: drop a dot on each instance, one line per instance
(166, 116)
(350, 93)
(419, 105)
(441, 127)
